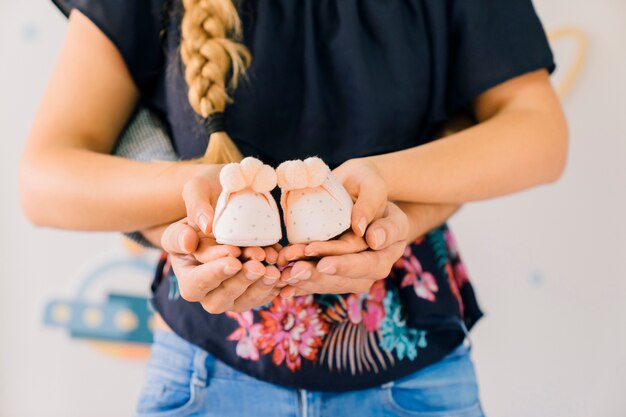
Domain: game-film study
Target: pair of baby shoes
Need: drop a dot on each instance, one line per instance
(315, 205)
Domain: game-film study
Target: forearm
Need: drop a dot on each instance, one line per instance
(84, 190)
(425, 217)
(510, 152)
(520, 142)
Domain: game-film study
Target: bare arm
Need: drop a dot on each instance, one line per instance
(425, 217)
(67, 177)
(520, 142)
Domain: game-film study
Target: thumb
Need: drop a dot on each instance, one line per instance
(369, 205)
(197, 197)
(179, 238)
(389, 229)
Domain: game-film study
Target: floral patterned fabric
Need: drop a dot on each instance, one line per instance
(337, 342)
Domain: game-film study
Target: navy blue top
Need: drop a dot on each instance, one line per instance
(339, 79)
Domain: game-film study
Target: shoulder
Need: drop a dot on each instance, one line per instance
(135, 27)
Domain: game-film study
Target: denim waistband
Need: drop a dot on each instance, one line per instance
(185, 355)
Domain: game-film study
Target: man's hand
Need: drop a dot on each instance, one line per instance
(346, 264)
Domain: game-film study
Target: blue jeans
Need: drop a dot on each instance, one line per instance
(184, 380)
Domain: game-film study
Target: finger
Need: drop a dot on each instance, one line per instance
(253, 270)
(367, 264)
(347, 243)
(179, 238)
(208, 250)
(197, 195)
(369, 205)
(332, 284)
(196, 280)
(288, 292)
(272, 275)
(255, 296)
(300, 271)
(291, 253)
(271, 254)
(260, 292)
(223, 297)
(253, 253)
(391, 228)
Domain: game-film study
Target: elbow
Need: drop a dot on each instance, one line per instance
(30, 193)
(558, 152)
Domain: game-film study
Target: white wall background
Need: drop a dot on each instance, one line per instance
(549, 265)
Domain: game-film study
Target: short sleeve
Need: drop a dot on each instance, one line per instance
(492, 42)
(478, 44)
(134, 27)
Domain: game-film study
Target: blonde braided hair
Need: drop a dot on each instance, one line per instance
(209, 49)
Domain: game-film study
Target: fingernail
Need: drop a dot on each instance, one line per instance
(230, 270)
(203, 222)
(290, 257)
(305, 274)
(379, 237)
(181, 242)
(288, 293)
(329, 270)
(309, 252)
(362, 225)
(253, 276)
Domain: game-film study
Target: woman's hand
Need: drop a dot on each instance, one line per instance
(364, 183)
(346, 267)
(220, 277)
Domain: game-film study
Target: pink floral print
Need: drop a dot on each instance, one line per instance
(351, 332)
(247, 335)
(368, 307)
(423, 282)
(291, 330)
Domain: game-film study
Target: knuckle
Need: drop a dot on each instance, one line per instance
(232, 288)
(382, 272)
(239, 308)
(213, 307)
(202, 285)
(202, 282)
(186, 293)
(244, 304)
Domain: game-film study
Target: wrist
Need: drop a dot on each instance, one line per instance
(153, 235)
(208, 173)
(376, 165)
(425, 217)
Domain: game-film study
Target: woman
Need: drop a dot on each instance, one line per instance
(371, 323)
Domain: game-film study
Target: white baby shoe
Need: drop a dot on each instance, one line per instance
(246, 214)
(315, 204)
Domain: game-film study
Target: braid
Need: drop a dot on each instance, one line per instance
(209, 52)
